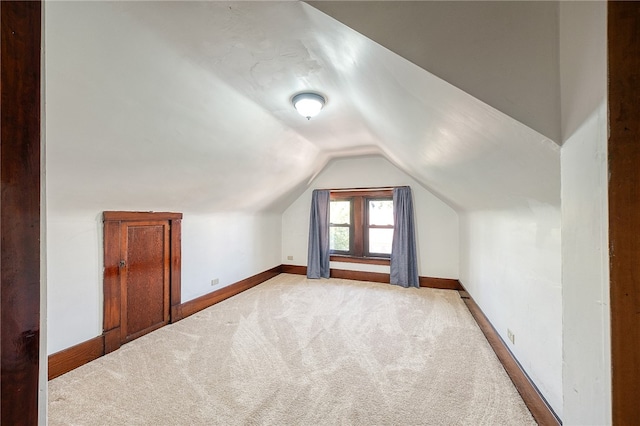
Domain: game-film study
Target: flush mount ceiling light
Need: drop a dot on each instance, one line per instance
(308, 104)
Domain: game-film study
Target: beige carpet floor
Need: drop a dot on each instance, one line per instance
(293, 351)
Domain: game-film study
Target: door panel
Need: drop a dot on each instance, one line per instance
(142, 258)
(144, 274)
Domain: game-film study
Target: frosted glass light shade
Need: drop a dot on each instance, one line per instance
(308, 104)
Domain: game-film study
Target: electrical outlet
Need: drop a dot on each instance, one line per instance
(289, 257)
(215, 281)
(511, 336)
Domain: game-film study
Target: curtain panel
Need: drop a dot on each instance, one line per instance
(404, 258)
(318, 254)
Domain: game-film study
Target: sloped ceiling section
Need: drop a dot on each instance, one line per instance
(505, 53)
(186, 105)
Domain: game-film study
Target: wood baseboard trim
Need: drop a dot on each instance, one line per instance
(82, 353)
(341, 273)
(294, 269)
(112, 340)
(441, 283)
(68, 359)
(75, 356)
(192, 306)
(541, 411)
(375, 277)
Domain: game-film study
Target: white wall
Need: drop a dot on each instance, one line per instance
(129, 127)
(436, 223)
(74, 279)
(585, 255)
(43, 377)
(551, 290)
(510, 264)
(229, 247)
(133, 122)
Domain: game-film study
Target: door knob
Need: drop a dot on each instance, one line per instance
(123, 263)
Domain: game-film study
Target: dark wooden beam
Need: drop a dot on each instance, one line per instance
(20, 211)
(624, 208)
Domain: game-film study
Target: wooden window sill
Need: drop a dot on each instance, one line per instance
(353, 259)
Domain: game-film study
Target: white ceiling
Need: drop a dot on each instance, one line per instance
(505, 53)
(186, 105)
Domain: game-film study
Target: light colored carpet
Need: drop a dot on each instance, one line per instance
(293, 351)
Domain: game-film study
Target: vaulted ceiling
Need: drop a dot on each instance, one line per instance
(186, 105)
(504, 53)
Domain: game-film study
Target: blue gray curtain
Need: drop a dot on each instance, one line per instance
(318, 255)
(404, 259)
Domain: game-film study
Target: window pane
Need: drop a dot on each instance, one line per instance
(340, 212)
(339, 238)
(381, 212)
(380, 240)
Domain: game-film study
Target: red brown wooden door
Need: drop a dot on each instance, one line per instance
(144, 277)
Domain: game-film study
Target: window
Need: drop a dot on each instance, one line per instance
(361, 224)
(379, 226)
(340, 230)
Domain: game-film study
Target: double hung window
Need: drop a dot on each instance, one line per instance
(361, 224)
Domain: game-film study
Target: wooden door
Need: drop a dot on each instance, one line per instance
(142, 257)
(144, 277)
